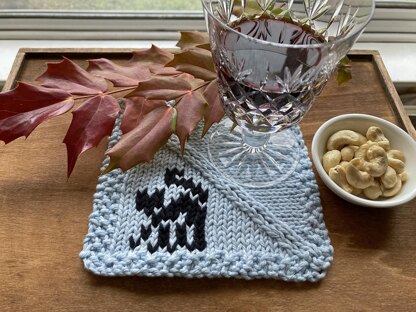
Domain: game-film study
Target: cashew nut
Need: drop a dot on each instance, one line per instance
(395, 154)
(377, 162)
(356, 191)
(347, 152)
(396, 160)
(389, 178)
(373, 191)
(344, 164)
(396, 164)
(392, 191)
(331, 159)
(375, 134)
(356, 177)
(403, 176)
(338, 175)
(361, 152)
(384, 144)
(344, 137)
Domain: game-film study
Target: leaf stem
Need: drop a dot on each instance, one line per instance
(197, 88)
(203, 85)
(106, 93)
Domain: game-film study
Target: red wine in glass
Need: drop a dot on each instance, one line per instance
(278, 99)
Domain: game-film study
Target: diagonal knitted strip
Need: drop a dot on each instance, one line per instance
(257, 212)
(206, 225)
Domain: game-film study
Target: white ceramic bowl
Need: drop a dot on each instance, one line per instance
(398, 138)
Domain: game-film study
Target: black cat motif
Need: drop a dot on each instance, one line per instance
(186, 211)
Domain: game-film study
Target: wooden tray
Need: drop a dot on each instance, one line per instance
(44, 219)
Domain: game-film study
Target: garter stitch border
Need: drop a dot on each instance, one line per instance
(144, 221)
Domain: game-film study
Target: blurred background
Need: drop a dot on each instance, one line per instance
(114, 5)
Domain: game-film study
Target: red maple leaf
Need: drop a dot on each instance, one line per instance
(142, 143)
(190, 111)
(90, 123)
(152, 56)
(25, 107)
(139, 68)
(119, 75)
(162, 88)
(214, 111)
(68, 76)
(135, 110)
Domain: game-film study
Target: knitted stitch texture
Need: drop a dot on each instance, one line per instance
(177, 216)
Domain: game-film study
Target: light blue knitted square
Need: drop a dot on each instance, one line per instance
(177, 216)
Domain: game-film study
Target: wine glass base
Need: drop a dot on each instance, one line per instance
(257, 161)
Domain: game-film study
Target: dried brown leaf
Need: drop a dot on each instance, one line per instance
(195, 61)
(191, 39)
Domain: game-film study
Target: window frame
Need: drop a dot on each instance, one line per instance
(394, 21)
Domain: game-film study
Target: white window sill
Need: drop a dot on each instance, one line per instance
(9, 48)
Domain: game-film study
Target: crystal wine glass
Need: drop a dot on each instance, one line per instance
(272, 59)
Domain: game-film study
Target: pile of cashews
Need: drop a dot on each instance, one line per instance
(364, 165)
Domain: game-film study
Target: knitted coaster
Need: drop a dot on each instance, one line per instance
(177, 216)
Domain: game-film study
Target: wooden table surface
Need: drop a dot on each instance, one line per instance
(43, 221)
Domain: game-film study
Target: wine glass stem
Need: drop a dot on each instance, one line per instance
(254, 138)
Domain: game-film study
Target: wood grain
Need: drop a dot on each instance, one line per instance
(44, 220)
